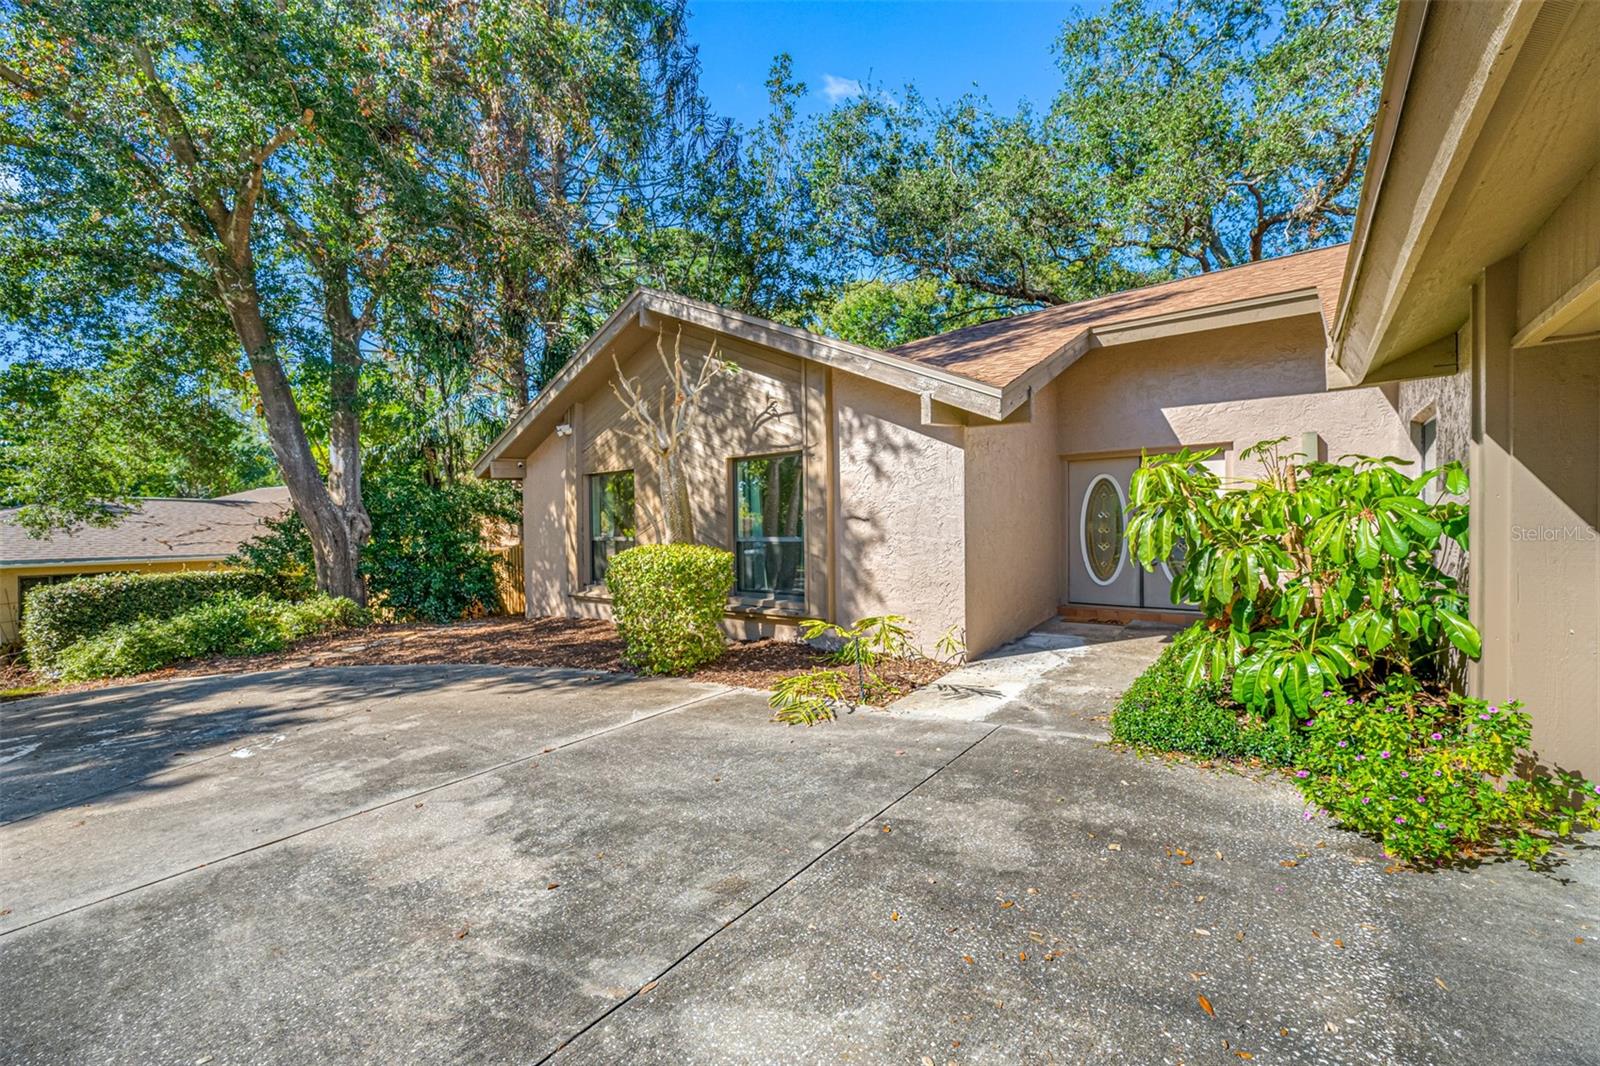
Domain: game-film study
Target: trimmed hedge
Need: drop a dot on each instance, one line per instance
(227, 624)
(60, 615)
(668, 600)
(1162, 712)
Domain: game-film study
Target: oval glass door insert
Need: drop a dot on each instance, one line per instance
(1102, 530)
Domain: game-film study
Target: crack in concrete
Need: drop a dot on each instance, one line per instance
(779, 887)
(548, 750)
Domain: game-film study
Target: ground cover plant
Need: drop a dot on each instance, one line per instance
(1327, 618)
(1161, 712)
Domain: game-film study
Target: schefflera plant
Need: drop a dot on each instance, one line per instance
(1313, 576)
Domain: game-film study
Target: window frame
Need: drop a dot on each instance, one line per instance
(785, 597)
(594, 481)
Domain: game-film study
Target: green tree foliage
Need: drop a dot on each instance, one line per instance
(426, 559)
(1315, 575)
(882, 314)
(75, 442)
(1188, 135)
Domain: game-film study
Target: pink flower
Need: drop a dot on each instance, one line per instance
(1385, 754)
(1438, 736)
(1302, 773)
(1399, 819)
(1484, 717)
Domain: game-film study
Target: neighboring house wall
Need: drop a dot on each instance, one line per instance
(11, 581)
(1014, 521)
(1229, 387)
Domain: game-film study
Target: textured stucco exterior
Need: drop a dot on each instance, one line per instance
(544, 529)
(1227, 388)
(954, 521)
(901, 532)
(1015, 523)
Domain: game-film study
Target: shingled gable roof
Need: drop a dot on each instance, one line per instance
(152, 530)
(988, 370)
(1002, 351)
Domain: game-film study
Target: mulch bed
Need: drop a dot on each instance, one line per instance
(575, 643)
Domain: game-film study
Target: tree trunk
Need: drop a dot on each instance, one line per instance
(675, 499)
(344, 423)
(337, 572)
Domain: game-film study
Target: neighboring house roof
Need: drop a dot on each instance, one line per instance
(1001, 351)
(988, 370)
(152, 530)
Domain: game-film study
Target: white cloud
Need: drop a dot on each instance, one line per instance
(836, 88)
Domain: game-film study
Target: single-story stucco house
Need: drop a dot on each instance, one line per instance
(1475, 271)
(973, 482)
(155, 535)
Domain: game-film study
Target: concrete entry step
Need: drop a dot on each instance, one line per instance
(1063, 677)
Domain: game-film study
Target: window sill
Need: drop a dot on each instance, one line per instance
(744, 606)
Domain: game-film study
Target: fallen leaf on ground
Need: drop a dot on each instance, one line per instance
(894, 916)
(1440, 982)
(1007, 904)
(1289, 863)
(647, 987)
(552, 885)
(1205, 1005)
(461, 934)
(967, 959)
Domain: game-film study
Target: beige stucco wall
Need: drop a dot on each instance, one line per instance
(544, 518)
(10, 585)
(1014, 521)
(900, 528)
(773, 404)
(1230, 387)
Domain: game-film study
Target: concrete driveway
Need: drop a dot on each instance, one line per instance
(448, 864)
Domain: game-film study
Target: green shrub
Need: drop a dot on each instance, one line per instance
(1162, 711)
(1315, 576)
(426, 559)
(225, 625)
(60, 615)
(1434, 782)
(669, 600)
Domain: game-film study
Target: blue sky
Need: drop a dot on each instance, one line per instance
(1000, 47)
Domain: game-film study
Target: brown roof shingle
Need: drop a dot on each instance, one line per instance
(155, 529)
(998, 352)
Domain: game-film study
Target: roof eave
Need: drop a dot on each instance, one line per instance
(648, 308)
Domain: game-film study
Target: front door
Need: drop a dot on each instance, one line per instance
(1099, 570)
